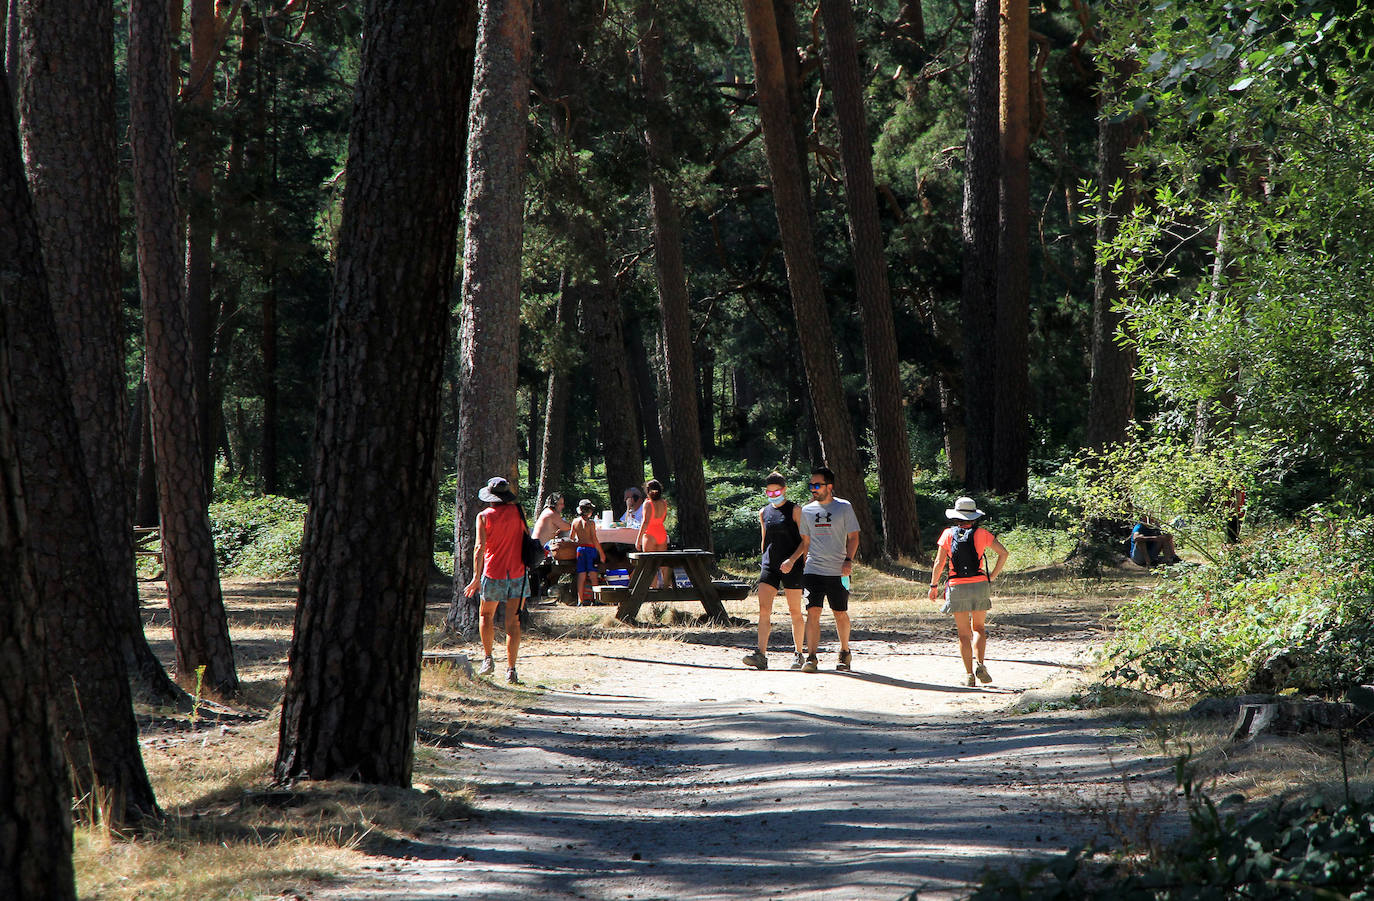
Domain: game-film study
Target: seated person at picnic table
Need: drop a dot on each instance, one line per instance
(589, 553)
(634, 501)
(547, 528)
(551, 523)
(1151, 545)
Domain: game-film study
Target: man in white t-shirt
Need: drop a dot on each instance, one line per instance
(833, 532)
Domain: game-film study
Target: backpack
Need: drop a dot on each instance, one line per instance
(531, 551)
(964, 560)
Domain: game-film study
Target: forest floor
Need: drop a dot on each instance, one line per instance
(651, 763)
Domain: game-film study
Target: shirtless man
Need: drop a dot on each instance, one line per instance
(551, 521)
(549, 526)
(589, 553)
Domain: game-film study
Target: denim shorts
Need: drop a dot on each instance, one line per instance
(496, 590)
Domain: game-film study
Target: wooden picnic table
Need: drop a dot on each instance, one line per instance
(696, 563)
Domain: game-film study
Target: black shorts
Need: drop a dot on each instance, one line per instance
(818, 588)
(771, 575)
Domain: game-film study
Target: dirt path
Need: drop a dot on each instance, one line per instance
(665, 769)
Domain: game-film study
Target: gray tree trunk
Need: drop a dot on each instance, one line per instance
(199, 624)
(489, 334)
(352, 685)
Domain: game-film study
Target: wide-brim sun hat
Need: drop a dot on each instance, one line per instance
(966, 509)
(496, 491)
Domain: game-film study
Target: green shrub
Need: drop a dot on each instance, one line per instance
(258, 536)
(1308, 850)
(1289, 609)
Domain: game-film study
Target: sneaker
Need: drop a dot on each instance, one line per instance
(972, 681)
(488, 667)
(757, 660)
(812, 665)
(982, 673)
(511, 677)
(798, 661)
(843, 665)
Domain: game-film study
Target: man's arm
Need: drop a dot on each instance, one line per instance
(851, 547)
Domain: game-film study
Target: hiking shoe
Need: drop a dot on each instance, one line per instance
(798, 661)
(982, 673)
(488, 667)
(843, 665)
(972, 681)
(812, 665)
(757, 660)
(511, 677)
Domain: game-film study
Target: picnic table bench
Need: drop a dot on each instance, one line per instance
(696, 563)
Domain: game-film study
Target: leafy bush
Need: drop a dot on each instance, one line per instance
(1305, 850)
(1289, 609)
(258, 536)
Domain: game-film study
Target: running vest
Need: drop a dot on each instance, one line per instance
(964, 559)
(780, 534)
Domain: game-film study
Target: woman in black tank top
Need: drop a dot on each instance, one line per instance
(781, 547)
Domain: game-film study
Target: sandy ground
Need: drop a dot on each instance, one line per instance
(650, 768)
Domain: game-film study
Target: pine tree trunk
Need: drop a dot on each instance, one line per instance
(978, 302)
(693, 522)
(352, 686)
(199, 624)
(198, 106)
(808, 302)
(1111, 404)
(556, 404)
(615, 399)
(646, 387)
(489, 333)
(67, 109)
(901, 530)
(1011, 440)
(35, 799)
(95, 718)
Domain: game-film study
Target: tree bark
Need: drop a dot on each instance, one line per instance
(556, 403)
(67, 110)
(670, 272)
(199, 624)
(1111, 404)
(35, 800)
(602, 325)
(1011, 442)
(489, 333)
(646, 388)
(978, 300)
(808, 301)
(352, 686)
(95, 718)
(901, 530)
(198, 107)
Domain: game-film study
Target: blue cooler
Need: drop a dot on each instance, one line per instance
(618, 578)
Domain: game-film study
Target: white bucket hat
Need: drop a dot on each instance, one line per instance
(966, 509)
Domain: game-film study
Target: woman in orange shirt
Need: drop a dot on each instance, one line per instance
(968, 593)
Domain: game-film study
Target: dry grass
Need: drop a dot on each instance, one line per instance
(228, 832)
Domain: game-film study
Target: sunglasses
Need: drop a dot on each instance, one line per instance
(773, 492)
(817, 486)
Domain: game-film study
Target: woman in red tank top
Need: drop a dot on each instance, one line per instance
(498, 571)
